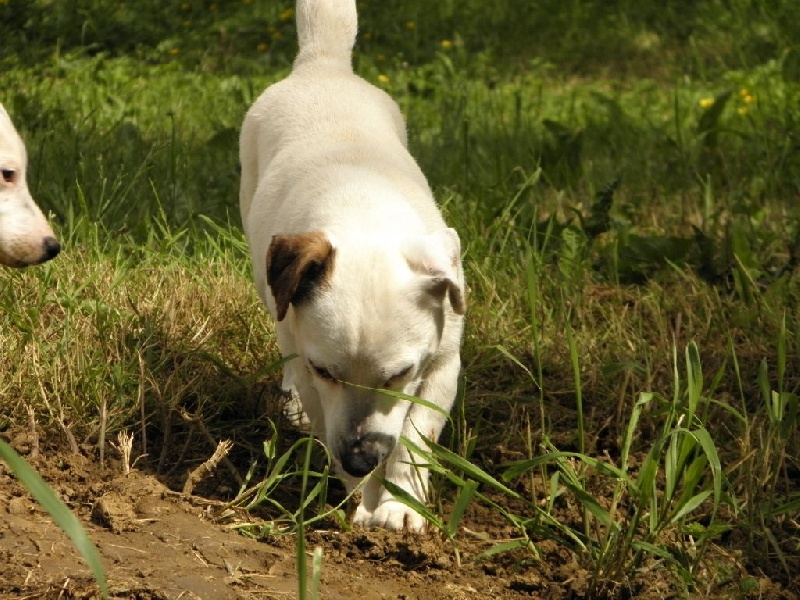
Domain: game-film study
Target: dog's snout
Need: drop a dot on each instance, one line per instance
(50, 248)
(361, 454)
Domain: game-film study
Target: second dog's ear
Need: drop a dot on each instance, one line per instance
(297, 264)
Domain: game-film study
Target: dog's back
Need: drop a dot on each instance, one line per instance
(320, 120)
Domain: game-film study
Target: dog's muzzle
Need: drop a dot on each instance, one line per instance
(360, 454)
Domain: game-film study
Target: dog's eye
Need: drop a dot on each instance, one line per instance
(398, 376)
(324, 374)
(9, 175)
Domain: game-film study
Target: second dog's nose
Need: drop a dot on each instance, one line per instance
(51, 248)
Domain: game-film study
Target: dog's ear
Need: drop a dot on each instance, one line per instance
(297, 264)
(438, 256)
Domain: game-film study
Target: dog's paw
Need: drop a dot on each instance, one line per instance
(293, 410)
(391, 515)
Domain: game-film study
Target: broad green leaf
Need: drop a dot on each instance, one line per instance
(404, 497)
(502, 547)
(692, 476)
(704, 438)
(463, 499)
(517, 468)
(470, 470)
(690, 505)
(648, 471)
(654, 550)
(591, 504)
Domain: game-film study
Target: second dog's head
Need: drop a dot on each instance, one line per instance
(367, 315)
(25, 236)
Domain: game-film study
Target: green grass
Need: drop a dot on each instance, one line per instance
(624, 178)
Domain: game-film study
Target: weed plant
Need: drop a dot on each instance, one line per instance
(624, 177)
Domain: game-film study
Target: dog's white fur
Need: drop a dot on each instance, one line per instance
(25, 236)
(354, 261)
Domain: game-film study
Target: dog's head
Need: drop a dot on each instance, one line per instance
(367, 315)
(25, 236)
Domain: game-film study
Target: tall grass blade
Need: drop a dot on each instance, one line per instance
(694, 376)
(402, 396)
(576, 376)
(316, 573)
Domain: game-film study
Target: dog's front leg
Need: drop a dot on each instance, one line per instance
(293, 408)
(378, 507)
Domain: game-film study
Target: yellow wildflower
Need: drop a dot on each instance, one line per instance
(744, 92)
(380, 57)
(447, 44)
(749, 99)
(185, 6)
(262, 47)
(742, 110)
(174, 51)
(383, 79)
(410, 25)
(275, 35)
(706, 102)
(286, 14)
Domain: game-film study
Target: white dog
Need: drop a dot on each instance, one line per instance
(354, 261)
(25, 237)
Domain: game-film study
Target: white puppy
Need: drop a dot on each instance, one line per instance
(354, 261)
(25, 237)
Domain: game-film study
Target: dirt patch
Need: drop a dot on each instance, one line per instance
(158, 544)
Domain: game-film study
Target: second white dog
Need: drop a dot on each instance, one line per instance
(25, 236)
(354, 261)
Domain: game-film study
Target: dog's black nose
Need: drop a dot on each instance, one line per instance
(51, 248)
(361, 454)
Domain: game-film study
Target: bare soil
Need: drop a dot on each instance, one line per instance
(157, 543)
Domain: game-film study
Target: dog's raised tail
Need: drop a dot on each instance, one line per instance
(326, 29)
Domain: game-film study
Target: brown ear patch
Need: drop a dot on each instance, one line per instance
(297, 265)
(439, 285)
